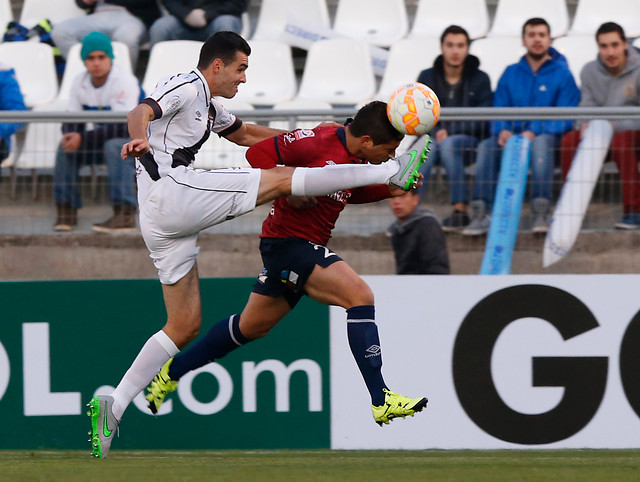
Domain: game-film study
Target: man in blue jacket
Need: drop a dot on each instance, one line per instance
(10, 99)
(540, 79)
(458, 82)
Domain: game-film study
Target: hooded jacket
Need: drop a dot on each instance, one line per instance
(600, 88)
(474, 90)
(10, 99)
(552, 85)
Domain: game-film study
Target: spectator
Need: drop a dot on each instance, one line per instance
(197, 19)
(540, 79)
(416, 236)
(10, 99)
(103, 86)
(123, 21)
(457, 81)
(613, 80)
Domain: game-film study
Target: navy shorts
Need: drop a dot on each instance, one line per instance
(288, 263)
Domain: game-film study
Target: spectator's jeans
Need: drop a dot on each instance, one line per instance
(118, 24)
(170, 28)
(625, 151)
(541, 162)
(121, 174)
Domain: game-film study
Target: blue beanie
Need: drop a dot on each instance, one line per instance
(96, 41)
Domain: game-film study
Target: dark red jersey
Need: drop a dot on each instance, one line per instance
(316, 147)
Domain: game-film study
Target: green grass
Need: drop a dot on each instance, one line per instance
(303, 465)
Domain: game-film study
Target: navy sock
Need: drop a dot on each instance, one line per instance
(221, 339)
(365, 346)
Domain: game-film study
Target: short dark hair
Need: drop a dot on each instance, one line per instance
(609, 27)
(456, 30)
(371, 120)
(223, 46)
(536, 21)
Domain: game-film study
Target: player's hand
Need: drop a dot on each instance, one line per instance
(71, 141)
(529, 135)
(503, 137)
(441, 135)
(302, 202)
(134, 148)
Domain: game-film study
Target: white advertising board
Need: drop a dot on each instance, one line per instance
(530, 361)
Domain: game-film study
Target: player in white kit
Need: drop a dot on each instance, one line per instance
(176, 201)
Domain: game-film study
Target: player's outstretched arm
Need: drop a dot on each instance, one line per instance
(250, 134)
(137, 121)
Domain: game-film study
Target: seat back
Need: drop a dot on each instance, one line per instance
(433, 16)
(273, 15)
(495, 54)
(6, 15)
(169, 58)
(41, 140)
(378, 22)
(579, 50)
(56, 11)
(590, 14)
(300, 105)
(35, 70)
(512, 14)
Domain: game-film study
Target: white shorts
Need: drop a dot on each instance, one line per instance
(174, 209)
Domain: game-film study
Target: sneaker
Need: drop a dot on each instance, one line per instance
(455, 222)
(103, 425)
(480, 221)
(66, 219)
(629, 221)
(159, 387)
(540, 208)
(407, 176)
(122, 221)
(396, 406)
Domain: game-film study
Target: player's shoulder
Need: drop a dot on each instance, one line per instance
(185, 85)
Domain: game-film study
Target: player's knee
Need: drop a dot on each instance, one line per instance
(255, 332)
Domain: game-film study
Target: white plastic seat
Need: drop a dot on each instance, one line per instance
(271, 76)
(10, 159)
(338, 71)
(169, 58)
(75, 65)
(378, 22)
(402, 66)
(590, 14)
(495, 54)
(433, 16)
(512, 14)
(35, 70)
(636, 43)
(217, 152)
(299, 105)
(55, 10)
(579, 50)
(274, 15)
(6, 15)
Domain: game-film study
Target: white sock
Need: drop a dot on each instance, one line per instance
(307, 181)
(155, 353)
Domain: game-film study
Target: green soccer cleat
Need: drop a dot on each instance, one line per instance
(396, 406)
(103, 425)
(408, 174)
(159, 387)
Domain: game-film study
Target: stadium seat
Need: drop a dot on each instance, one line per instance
(338, 71)
(35, 70)
(433, 16)
(75, 65)
(590, 14)
(218, 152)
(495, 54)
(273, 16)
(512, 14)
(403, 66)
(271, 77)
(378, 22)
(299, 105)
(10, 159)
(578, 49)
(56, 11)
(636, 43)
(169, 58)
(6, 15)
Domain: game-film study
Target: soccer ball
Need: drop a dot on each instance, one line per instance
(413, 109)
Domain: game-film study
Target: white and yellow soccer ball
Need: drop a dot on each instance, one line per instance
(413, 109)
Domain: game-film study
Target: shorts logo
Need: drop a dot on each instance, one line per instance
(262, 277)
(373, 350)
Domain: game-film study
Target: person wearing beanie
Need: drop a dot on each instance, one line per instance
(102, 86)
(123, 21)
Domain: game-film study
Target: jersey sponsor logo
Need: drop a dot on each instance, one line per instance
(290, 137)
(173, 103)
(340, 196)
(198, 116)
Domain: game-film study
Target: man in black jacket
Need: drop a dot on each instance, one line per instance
(123, 21)
(197, 19)
(457, 81)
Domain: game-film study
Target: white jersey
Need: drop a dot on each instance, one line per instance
(185, 114)
(121, 92)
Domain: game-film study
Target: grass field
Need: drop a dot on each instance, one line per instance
(303, 465)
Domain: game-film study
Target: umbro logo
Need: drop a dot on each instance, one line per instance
(373, 350)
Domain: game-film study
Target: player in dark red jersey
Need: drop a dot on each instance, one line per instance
(297, 261)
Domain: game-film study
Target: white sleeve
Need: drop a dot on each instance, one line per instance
(75, 103)
(126, 93)
(223, 119)
(173, 96)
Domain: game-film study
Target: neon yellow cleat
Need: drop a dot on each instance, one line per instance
(159, 387)
(396, 406)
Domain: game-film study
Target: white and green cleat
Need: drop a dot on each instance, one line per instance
(159, 387)
(396, 406)
(410, 162)
(103, 425)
